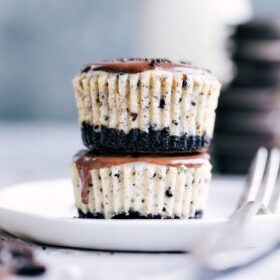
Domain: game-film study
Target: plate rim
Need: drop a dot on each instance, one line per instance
(19, 222)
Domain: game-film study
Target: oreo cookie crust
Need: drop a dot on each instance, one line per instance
(110, 139)
(133, 215)
(146, 105)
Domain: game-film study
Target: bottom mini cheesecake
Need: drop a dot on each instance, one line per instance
(137, 187)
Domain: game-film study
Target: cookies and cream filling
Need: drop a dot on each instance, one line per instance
(143, 94)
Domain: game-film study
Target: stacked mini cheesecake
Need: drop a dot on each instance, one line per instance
(147, 124)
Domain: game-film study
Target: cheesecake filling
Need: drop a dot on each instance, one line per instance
(169, 186)
(134, 99)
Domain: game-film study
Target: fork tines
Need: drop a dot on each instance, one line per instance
(263, 181)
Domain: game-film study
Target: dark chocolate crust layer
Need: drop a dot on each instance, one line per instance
(132, 215)
(110, 139)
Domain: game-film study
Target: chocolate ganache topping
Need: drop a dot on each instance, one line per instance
(138, 65)
(86, 161)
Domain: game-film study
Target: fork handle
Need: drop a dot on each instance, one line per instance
(227, 237)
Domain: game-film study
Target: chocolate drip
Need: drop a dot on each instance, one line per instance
(138, 65)
(86, 161)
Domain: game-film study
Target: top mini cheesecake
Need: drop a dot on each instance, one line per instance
(146, 105)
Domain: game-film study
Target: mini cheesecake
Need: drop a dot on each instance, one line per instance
(140, 186)
(146, 105)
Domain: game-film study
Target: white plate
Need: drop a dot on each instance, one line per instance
(44, 211)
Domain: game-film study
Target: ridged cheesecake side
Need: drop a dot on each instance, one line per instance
(157, 110)
(141, 188)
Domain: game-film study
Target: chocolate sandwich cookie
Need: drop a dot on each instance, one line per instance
(18, 258)
(267, 51)
(249, 122)
(146, 105)
(234, 151)
(250, 99)
(258, 29)
(256, 73)
(243, 144)
(233, 164)
(143, 186)
(250, 106)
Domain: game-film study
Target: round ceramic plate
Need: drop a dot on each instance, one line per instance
(44, 212)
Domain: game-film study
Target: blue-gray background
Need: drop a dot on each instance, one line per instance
(43, 44)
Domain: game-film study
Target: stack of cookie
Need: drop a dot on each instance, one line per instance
(250, 107)
(147, 124)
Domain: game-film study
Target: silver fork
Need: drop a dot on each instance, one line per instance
(262, 186)
(261, 196)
